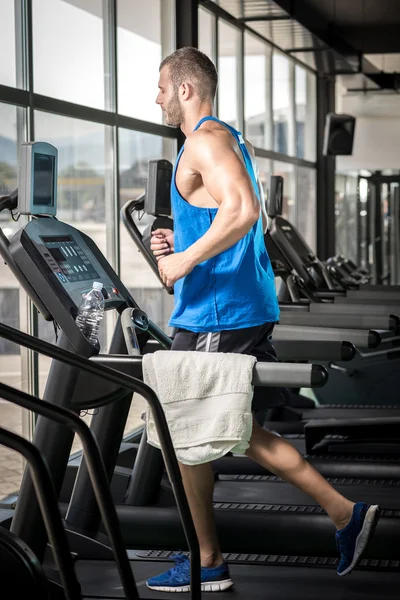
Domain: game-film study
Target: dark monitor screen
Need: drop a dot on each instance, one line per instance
(57, 255)
(158, 188)
(43, 179)
(164, 191)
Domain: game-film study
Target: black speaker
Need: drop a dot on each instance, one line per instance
(338, 135)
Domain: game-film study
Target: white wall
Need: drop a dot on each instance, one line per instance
(376, 145)
(377, 134)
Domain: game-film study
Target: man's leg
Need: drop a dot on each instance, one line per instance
(355, 523)
(279, 456)
(198, 481)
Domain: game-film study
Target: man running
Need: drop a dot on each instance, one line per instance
(225, 301)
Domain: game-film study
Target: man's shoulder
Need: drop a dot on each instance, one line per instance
(208, 138)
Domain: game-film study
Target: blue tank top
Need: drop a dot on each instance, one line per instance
(234, 289)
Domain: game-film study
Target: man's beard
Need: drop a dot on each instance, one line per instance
(174, 114)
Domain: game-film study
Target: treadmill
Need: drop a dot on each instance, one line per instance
(157, 527)
(318, 281)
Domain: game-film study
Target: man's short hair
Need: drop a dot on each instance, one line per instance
(189, 64)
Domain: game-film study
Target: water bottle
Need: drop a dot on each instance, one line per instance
(90, 312)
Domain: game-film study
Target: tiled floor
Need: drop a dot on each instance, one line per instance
(11, 463)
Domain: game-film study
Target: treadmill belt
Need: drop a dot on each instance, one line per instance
(275, 491)
(347, 413)
(100, 579)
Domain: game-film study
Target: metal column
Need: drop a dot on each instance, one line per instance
(325, 172)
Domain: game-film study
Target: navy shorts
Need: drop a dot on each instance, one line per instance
(256, 341)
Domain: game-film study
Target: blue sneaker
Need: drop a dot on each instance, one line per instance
(352, 540)
(177, 579)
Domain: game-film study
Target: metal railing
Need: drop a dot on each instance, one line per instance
(62, 415)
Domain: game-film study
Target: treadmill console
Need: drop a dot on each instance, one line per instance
(67, 258)
(293, 236)
(61, 264)
(73, 265)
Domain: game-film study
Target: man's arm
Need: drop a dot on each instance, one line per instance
(226, 179)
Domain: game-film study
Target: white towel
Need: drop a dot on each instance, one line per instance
(206, 397)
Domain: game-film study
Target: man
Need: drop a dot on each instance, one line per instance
(225, 300)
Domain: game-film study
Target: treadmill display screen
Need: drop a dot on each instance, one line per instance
(67, 259)
(43, 180)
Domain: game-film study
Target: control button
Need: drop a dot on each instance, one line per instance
(105, 293)
(61, 277)
(115, 291)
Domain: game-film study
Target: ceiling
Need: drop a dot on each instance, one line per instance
(332, 36)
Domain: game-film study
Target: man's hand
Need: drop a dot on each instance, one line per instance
(174, 267)
(162, 242)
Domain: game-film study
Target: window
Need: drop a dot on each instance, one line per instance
(144, 37)
(306, 205)
(228, 92)
(306, 113)
(257, 91)
(7, 44)
(281, 102)
(207, 33)
(264, 173)
(135, 151)
(301, 101)
(350, 221)
(287, 171)
(10, 354)
(68, 51)
(84, 194)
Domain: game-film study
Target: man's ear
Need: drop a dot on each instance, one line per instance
(186, 91)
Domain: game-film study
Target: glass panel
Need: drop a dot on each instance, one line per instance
(144, 37)
(257, 87)
(301, 94)
(281, 102)
(286, 171)
(307, 205)
(391, 228)
(7, 43)
(347, 217)
(68, 50)
(10, 356)
(264, 173)
(206, 33)
(84, 198)
(306, 113)
(135, 150)
(228, 47)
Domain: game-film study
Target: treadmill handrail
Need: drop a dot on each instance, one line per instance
(97, 472)
(130, 225)
(50, 511)
(167, 449)
(359, 337)
(264, 374)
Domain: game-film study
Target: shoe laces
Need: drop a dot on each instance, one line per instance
(181, 570)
